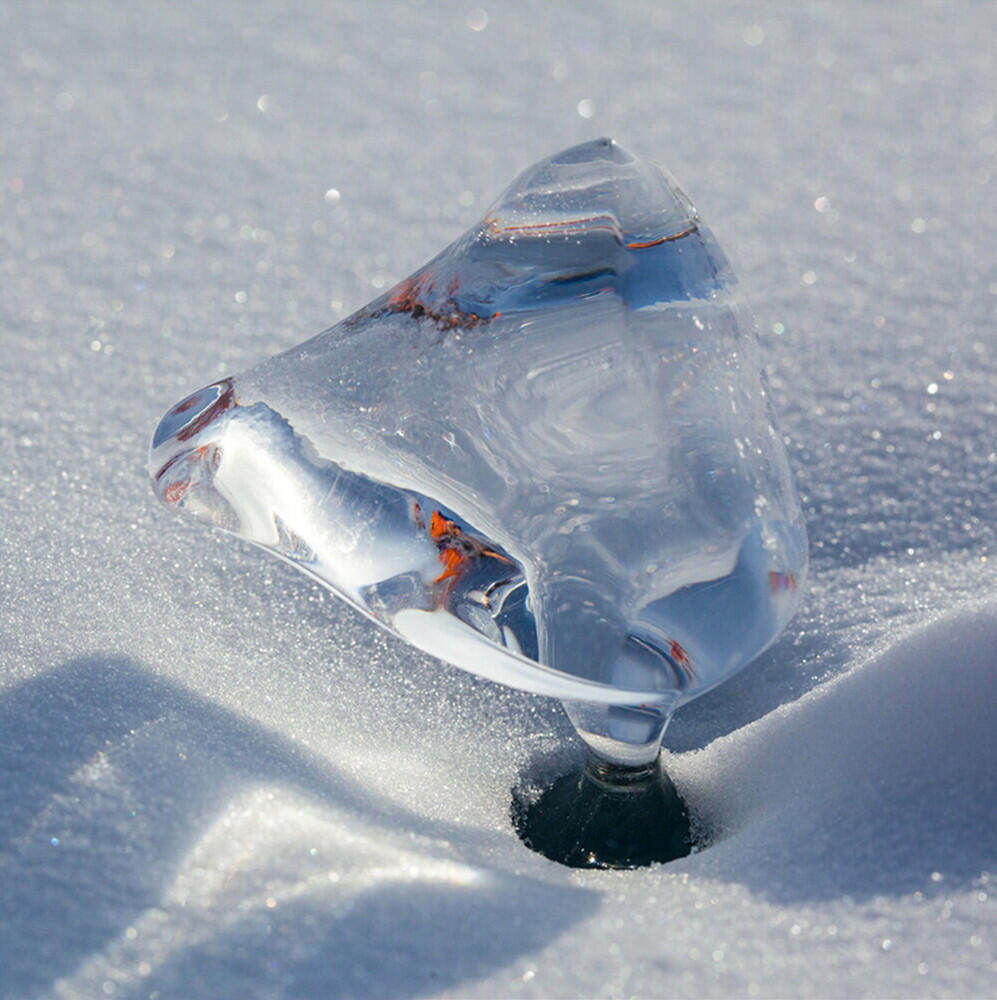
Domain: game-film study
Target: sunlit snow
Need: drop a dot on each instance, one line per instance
(215, 779)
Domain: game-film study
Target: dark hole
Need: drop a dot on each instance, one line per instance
(600, 816)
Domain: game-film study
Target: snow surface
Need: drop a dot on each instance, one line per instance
(217, 781)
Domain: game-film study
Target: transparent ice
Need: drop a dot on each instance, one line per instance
(546, 457)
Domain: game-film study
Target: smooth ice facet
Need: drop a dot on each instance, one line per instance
(546, 456)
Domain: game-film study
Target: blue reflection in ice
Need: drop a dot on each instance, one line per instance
(546, 456)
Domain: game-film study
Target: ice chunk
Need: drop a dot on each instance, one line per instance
(547, 456)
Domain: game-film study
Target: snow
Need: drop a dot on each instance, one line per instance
(216, 780)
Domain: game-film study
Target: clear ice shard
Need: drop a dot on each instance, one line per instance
(546, 457)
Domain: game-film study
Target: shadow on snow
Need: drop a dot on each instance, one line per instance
(108, 778)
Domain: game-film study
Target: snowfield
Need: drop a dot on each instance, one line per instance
(218, 781)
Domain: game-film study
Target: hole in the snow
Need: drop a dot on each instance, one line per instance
(599, 816)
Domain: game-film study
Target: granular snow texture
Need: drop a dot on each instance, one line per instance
(218, 781)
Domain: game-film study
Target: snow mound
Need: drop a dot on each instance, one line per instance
(819, 798)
